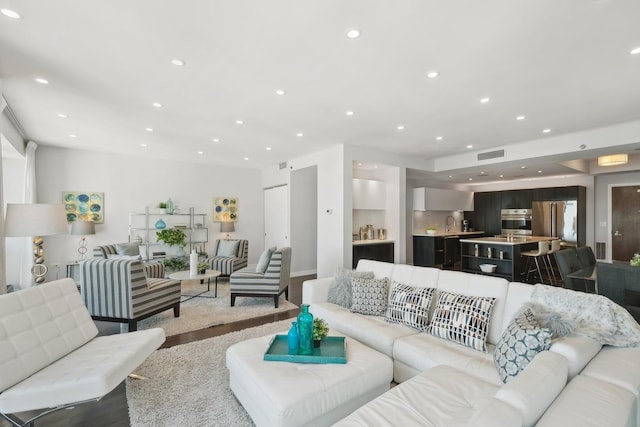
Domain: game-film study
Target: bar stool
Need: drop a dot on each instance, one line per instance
(555, 247)
(536, 256)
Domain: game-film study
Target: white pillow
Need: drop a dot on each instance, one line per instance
(127, 249)
(116, 256)
(227, 248)
(265, 257)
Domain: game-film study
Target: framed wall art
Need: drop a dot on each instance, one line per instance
(84, 206)
(225, 209)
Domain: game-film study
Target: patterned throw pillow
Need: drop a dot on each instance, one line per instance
(519, 344)
(409, 306)
(340, 289)
(369, 296)
(463, 319)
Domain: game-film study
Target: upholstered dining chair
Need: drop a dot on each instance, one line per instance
(568, 262)
(275, 280)
(229, 255)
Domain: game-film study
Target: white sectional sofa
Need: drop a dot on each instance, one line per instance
(442, 383)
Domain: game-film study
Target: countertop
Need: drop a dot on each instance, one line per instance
(371, 242)
(504, 241)
(449, 234)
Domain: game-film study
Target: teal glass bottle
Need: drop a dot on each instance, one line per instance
(292, 338)
(305, 331)
(169, 208)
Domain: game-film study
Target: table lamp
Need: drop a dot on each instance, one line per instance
(82, 228)
(36, 220)
(227, 227)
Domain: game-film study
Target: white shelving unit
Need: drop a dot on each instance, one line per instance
(142, 224)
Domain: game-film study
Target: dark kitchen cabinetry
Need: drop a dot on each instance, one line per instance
(516, 199)
(486, 214)
(558, 193)
(374, 251)
(440, 251)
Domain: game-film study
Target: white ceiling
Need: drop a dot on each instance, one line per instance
(565, 65)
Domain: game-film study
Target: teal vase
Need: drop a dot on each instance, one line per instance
(160, 224)
(305, 331)
(292, 338)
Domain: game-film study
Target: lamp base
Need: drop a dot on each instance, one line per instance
(39, 270)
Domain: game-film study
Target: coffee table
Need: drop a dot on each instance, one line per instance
(286, 394)
(207, 275)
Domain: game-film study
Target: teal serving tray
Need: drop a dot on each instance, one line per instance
(332, 350)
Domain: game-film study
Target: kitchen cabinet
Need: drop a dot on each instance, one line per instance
(438, 251)
(438, 199)
(369, 194)
(516, 199)
(486, 214)
(376, 250)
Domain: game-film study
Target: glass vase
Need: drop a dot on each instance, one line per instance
(292, 338)
(305, 331)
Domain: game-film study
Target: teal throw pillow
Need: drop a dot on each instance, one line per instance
(265, 257)
(227, 248)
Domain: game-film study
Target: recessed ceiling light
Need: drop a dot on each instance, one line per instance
(42, 81)
(143, 145)
(523, 167)
(470, 179)
(359, 163)
(157, 105)
(149, 129)
(546, 130)
(62, 115)
(439, 138)
(482, 173)
(239, 122)
(280, 92)
(349, 113)
(246, 158)
(178, 62)
(400, 127)
(501, 176)
(73, 135)
(268, 148)
(353, 33)
(216, 140)
(539, 171)
(450, 176)
(432, 74)
(485, 100)
(200, 152)
(520, 118)
(375, 166)
(469, 146)
(10, 13)
(635, 51)
(299, 134)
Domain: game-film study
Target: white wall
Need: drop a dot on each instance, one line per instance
(17, 248)
(131, 183)
(304, 221)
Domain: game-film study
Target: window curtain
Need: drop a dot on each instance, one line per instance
(26, 258)
(3, 269)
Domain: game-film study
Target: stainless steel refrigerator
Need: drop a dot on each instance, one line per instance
(556, 219)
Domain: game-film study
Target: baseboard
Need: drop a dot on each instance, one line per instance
(303, 273)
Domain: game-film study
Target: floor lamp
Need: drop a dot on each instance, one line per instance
(36, 220)
(227, 227)
(82, 228)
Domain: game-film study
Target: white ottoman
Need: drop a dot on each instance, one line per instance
(302, 394)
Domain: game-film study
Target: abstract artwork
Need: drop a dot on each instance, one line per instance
(84, 206)
(225, 209)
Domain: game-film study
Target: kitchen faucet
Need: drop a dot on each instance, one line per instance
(446, 228)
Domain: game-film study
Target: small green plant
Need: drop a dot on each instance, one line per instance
(172, 236)
(320, 329)
(635, 261)
(203, 266)
(176, 264)
(162, 205)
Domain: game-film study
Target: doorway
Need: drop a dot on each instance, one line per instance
(625, 222)
(276, 217)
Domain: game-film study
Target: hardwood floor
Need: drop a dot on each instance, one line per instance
(112, 410)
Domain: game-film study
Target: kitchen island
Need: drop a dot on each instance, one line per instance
(439, 249)
(504, 253)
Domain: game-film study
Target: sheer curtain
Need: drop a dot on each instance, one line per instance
(3, 270)
(26, 258)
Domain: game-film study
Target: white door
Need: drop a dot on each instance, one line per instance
(276, 217)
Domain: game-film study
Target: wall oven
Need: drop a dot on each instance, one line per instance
(516, 221)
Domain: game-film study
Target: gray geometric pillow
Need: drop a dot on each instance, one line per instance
(340, 289)
(519, 344)
(462, 319)
(409, 306)
(369, 296)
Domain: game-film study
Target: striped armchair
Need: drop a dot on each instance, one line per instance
(117, 290)
(227, 265)
(273, 282)
(152, 269)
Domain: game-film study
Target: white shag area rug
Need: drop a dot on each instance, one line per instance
(204, 311)
(189, 384)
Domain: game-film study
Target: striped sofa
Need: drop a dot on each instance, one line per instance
(227, 265)
(152, 269)
(273, 282)
(117, 290)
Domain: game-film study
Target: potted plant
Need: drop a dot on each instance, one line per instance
(173, 237)
(635, 260)
(176, 264)
(320, 330)
(202, 267)
(431, 230)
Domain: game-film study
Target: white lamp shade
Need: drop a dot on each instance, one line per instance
(227, 227)
(83, 228)
(35, 219)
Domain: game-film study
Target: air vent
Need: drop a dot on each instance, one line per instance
(282, 165)
(491, 155)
